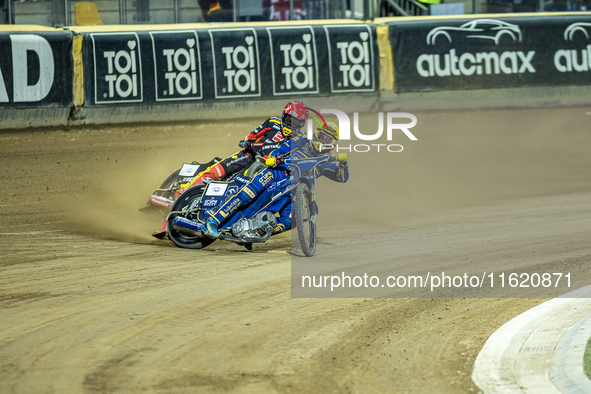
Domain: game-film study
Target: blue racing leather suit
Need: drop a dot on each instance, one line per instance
(337, 171)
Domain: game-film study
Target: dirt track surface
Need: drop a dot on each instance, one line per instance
(90, 303)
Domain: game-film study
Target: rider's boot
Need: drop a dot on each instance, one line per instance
(211, 225)
(211, 228)
(278, 229)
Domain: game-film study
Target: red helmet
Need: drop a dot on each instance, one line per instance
(294, 117)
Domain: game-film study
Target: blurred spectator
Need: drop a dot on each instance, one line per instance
(57, 17)
(216, 11)
(499, 6)
(555, 5)
(566, 5)
(278, 10)
(525, 5)
(4, 12)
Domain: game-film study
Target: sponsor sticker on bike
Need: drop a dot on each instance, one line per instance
(216, 189)
(209, 203)
(294, 60)
(117, 68)
(236, 62)
(177, 65)
(351, 58)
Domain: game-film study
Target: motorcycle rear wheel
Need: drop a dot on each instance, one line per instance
(188, 200)
(305, 219)
(168, 181)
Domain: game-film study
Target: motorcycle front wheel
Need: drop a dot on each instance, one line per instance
(305, 219)
(182, 206)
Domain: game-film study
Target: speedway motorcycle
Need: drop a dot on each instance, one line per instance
(255, 222)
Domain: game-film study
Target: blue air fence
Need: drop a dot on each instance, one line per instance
(206, 65)
(504, 52)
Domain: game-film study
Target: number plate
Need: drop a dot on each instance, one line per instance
(189, 169)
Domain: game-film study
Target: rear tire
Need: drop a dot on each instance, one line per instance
(305, 219)
(168, 181)
(185, 203)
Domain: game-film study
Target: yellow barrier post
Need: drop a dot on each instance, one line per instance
(78, 76)
(386, 63)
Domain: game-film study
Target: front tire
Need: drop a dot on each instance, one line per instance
(183, 207)
(255, 168)
(305, 219)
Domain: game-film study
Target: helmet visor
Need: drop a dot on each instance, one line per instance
(292, 122)
(325, 138)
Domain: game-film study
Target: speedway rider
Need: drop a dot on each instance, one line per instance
(263, 140)
(325, 139)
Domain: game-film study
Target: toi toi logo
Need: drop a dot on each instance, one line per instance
(177, 65)
(122, 77)
(294, 60)
(236, 62)
(240, 66)
(298, 64)
(355, 61)
(181, 69)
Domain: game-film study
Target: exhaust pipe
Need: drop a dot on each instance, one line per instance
(187, 226)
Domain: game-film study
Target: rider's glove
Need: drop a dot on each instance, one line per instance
(270, 162)
(342, 157)
(244, 144)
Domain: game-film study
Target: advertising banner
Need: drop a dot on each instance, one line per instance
(236, 62)
(35, 69)
(352, 60)
(153, 67)
(177, 65)
(294, 58)
(117, 68)
(491, 53)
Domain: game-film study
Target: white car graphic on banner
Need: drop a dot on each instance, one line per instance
(582, 27)
(576, 56)
(486, 29)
